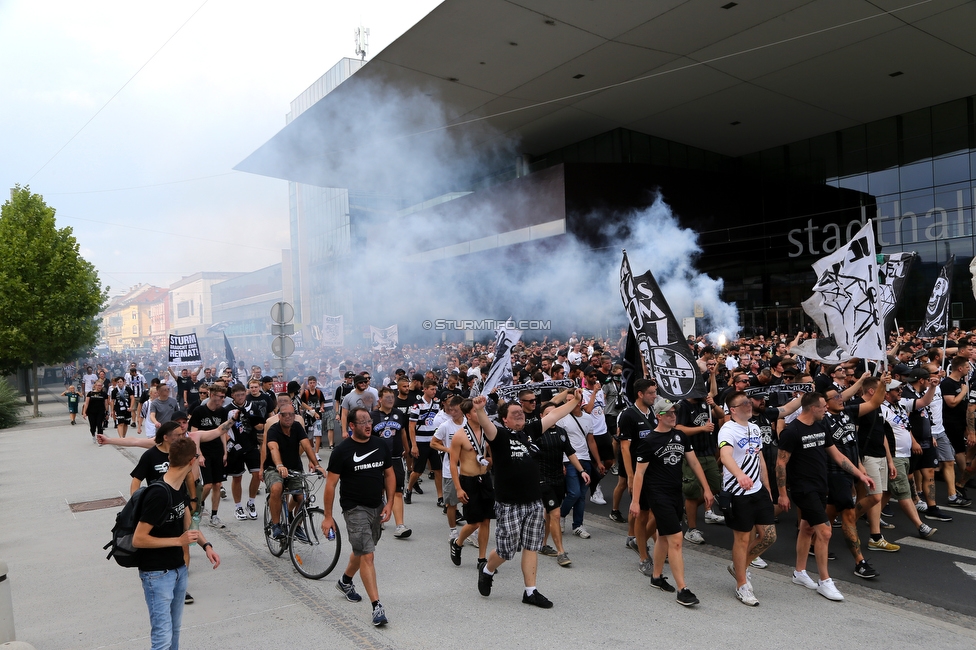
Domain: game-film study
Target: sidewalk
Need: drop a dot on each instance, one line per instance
(66, 595)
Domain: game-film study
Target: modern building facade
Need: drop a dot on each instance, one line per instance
(772, 129)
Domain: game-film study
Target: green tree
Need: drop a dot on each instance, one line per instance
(50, 296)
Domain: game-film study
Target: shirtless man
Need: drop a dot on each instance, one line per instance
(469, 452)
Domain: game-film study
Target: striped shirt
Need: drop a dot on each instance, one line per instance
(746, 444)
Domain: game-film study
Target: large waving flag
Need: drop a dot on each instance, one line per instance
(845, 304)
(892, 272)
(660, 340)
(936, 322)
(500, 373)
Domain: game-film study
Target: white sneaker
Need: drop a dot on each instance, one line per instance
(694, 536)
(215, 522)
(402, 532)
(745, 595)
(801, 578)
(581, 532)
(827, 589)
(712, 518)
(758, 563)
(597, 496)
(921, 506)
(241, 515)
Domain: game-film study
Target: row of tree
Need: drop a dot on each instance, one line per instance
(50, 296)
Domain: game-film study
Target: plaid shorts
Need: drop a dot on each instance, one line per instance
(518, 526)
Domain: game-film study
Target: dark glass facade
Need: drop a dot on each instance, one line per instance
(763, 218)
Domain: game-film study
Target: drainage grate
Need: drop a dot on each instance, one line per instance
(98, 504)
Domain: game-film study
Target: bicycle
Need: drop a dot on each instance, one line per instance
(313, 553)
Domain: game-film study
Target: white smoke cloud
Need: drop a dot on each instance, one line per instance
(570, 281)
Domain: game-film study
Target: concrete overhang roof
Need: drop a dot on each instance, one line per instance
(732, 78)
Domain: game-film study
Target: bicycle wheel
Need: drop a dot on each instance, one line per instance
(275, 545)
(313, 554)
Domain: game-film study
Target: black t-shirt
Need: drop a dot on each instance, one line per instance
(953, 417)
(151, 466)
(121, 400)
(870, 431)
(842, 427)
(764, 419)
(552, 445)
(663, 452)
(205, 419)
(517, 473)
(289, 446)
(919, 420)
(96, 403)
(361, 467)
(389, 428)
(167, 521)
(403, 404)
(253, 413)
(691, 414)
(635, 427)
(183, 385)
(341, 391)
(806, 443)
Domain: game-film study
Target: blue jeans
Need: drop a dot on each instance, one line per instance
(164, 591)
(575, 499)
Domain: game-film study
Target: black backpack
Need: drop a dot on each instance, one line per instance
(120, 546)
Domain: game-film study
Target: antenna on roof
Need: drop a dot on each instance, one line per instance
(361, 35)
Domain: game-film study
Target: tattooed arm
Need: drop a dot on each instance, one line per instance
(781, 460)
(845, 464)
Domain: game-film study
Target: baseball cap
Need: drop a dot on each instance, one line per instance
(179, 415)
(417, 377)
(349, 374)
(918, 372)
(893, 385)
(900, 369)
(662, 405)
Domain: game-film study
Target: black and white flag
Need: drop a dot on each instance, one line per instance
(892, 272)
(384, 338)
(666, 353)
(500, 373)
(184, 350)
(633, 368)
(332, 332)
(845, 304)
(510, 392)
(936, 321)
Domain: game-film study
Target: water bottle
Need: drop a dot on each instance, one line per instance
(331, 535)
(195, 521)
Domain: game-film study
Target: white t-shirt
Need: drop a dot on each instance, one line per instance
(577, 430)
(897, 417)
(746, 443)
(599, 405)
(445, 433)
(89, 380)
(936, 410)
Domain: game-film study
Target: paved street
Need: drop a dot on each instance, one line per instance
(67, 596)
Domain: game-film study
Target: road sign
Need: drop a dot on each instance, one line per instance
(282, 346)
(282, 312)
(282, 330)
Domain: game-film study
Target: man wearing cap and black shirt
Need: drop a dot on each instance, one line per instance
(916, 396)
(804, 448)
(657, 487)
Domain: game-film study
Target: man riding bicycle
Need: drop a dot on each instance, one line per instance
(285, 442)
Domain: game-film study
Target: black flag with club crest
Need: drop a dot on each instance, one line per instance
(662, 345)
(936, 321)
(633, 369)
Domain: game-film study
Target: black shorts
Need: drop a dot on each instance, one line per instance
(958, 440)
(928, 460)
(604, 445)
(213, 471)
(122, 418)
(237, 460)
(812, 505)
(667, 510)
(553, 495)
(840, 491)
(399, 473)
(751, 510)
(426, 454)
(481, 498)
